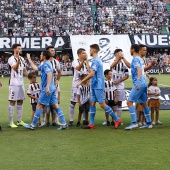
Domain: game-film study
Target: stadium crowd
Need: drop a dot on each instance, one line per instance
(34, 18)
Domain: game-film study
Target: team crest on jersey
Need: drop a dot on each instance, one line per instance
(94, 67)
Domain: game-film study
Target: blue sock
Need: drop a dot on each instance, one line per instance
(61, 115)
(109, 111)
(36, 116)
(92, 114)
(132, 114)
(147, 115)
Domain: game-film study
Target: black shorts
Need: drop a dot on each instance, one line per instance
(34, 106)
(84, 108)
(111, 103)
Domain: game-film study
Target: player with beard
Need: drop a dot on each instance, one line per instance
(97, 88)
(139, 90)
(56, 69)
(120, 73)
(80, 65)
(47, 95)
(16, 84)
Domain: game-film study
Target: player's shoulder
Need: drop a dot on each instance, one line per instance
(56, 61)
(11, 58)
(137, 59)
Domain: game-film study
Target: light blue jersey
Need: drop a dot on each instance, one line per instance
(137, 62)
(97, 81)
(45, 68)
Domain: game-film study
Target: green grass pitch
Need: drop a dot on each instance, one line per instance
(103, 148)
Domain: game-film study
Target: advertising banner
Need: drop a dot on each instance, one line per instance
(152, 41)
(107, 44)
(34, 43)
(164, 98)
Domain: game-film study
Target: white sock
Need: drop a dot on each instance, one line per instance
(71, 111)
(19, 111)
(11, 113)
(119, 112)
(84, 116)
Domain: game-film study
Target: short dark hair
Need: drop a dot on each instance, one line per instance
(80, 50)
(50, 46)
(14, 46)
(95, 46)
(141, 46)
(47, 54)
(106, 72)
(31, 75)
(118, 50)
(105, 39)
(135, 47)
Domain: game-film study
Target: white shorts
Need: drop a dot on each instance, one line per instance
(121, 95)
(16, 93)
(74, 95)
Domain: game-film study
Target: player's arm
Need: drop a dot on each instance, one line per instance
(139, 73)
(35, 68)
(25, 72)
(78, 97)
(123, 78)
(139, 70)
(106, 99)
(16, 66)
(49, 79)
(149, 66)
(126, 62)
(120, 54)
(32, 97)
(87, 77)
(88, 66)
(59, 75)
(78, 68)
(115, 62)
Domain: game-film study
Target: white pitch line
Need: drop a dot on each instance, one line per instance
(164, 85)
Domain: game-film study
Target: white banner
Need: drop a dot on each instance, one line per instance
(107, 44)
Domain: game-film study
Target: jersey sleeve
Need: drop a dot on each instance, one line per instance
(58, 65)
(39, 67)
(29, 91)
(136, 63)
(11, 61)
(74, 64)
(94, 65)
(149, 88)
(46, 68)
(78, 90)
(159, 90)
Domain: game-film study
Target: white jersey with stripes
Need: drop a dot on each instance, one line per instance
(16, 78)
(34, 90)
(76, 78)
(118, 72)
